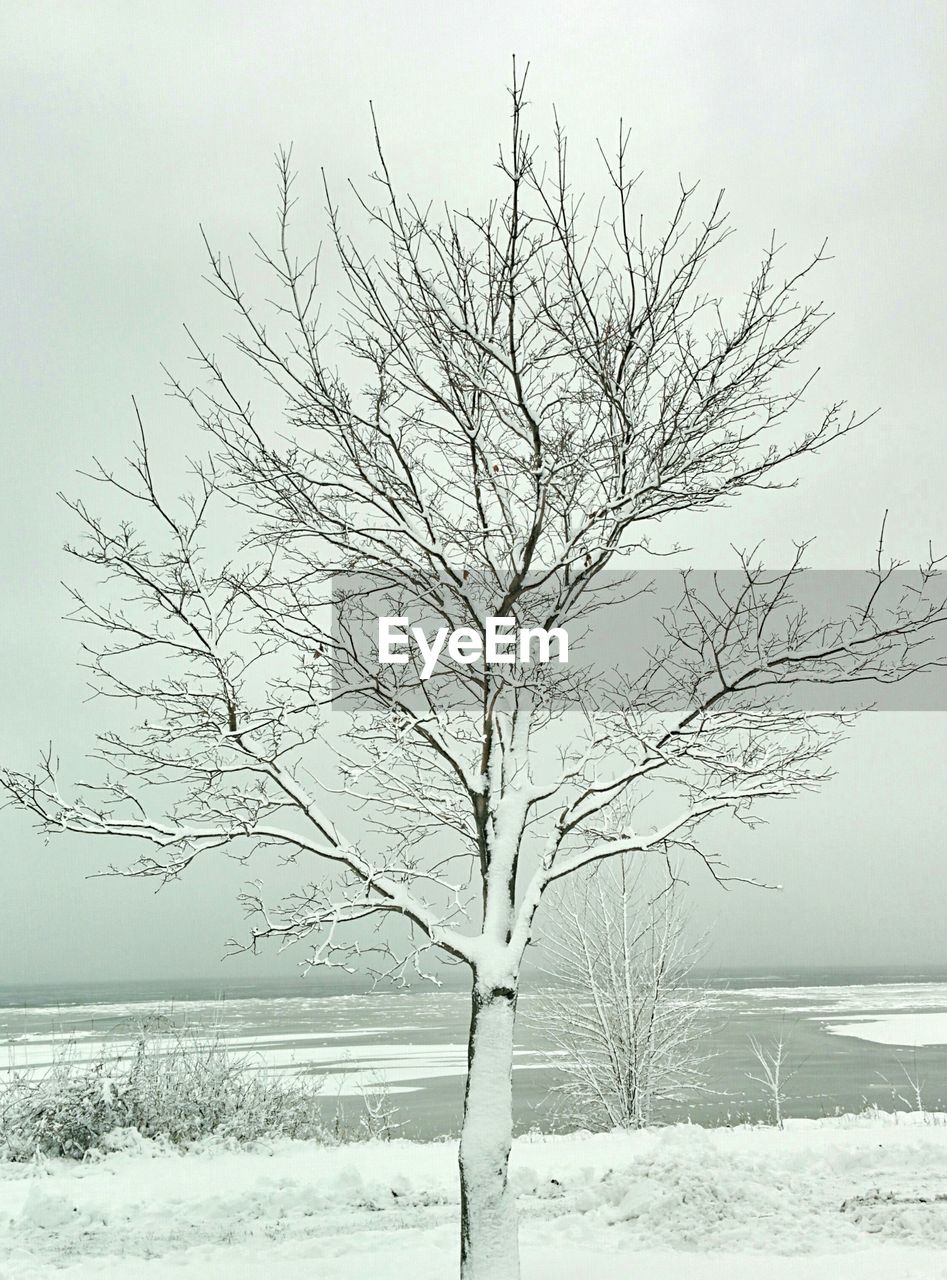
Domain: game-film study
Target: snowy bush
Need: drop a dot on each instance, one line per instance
(174, 1086)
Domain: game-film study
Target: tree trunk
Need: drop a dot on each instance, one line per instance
(488, 1231)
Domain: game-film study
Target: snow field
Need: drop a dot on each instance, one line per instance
(851, 1197)
(897, 1028)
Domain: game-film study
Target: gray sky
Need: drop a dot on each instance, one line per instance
(124, 124)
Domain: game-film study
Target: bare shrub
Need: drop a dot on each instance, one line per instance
(173, 1085)
(626, 1020)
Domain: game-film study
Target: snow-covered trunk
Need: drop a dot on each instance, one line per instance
(488, 1229)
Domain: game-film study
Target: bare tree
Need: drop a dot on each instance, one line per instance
(627, 1022)
(509, 401)
(773, 1076)
(910, 1091)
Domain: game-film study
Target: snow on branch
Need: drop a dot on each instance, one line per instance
(507, 402)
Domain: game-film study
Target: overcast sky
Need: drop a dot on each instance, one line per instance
(124, 125)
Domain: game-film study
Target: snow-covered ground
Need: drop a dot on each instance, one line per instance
(864, 1198)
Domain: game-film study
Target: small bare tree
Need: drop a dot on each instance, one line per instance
(773, 1075)
(910, 1090)
(626, 1019)
(507, 402)
(379, 1117)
